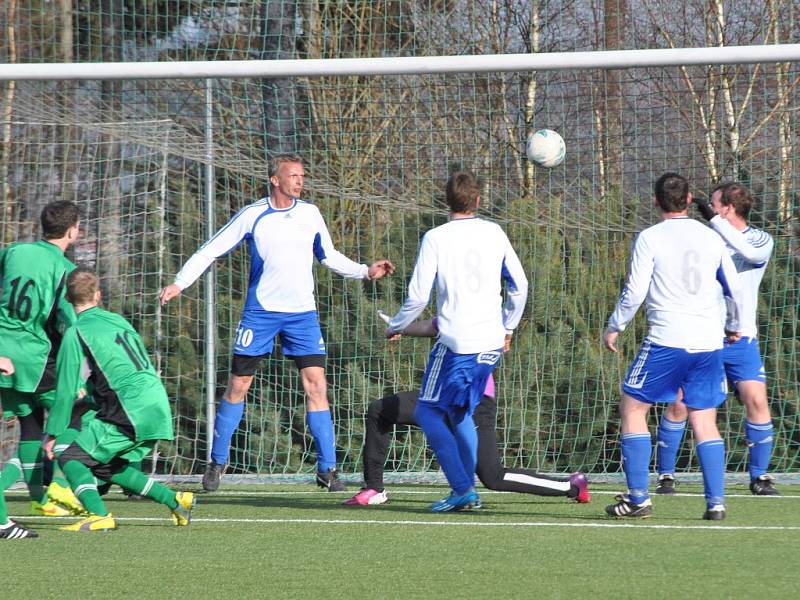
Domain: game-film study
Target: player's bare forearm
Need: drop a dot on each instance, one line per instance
(424, 328)
(420, 329)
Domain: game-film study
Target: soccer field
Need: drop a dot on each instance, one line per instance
(294, 541)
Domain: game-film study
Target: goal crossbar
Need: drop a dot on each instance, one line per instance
(402, 65)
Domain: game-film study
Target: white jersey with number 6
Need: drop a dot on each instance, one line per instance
(467, 259)
(678, 266)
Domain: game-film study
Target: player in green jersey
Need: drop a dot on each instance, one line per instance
(104, 349)
(33, 314)
(10, 530)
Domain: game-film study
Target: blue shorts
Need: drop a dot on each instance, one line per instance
(457, 380)
(742, 360)
(299, 332)
(658, 372)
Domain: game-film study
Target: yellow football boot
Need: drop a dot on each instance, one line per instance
(64, 497)
(182, 514)
(93, 523)
(48, 509)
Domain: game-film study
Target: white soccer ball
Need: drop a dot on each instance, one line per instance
(546, 148)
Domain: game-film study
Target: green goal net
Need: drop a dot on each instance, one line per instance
(135, 153)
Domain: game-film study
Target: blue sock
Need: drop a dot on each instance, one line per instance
(759, 440)
(712, 460)
(320, 423)
(226, 423)
(442, 441)
(466, 440)
(668, 439)
(636, 451)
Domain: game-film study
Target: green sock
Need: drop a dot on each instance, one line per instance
(58, 476)
(135, 481)
(3, 509)
(62, 443)
(12, 471)
(31, 456)
(84, 485)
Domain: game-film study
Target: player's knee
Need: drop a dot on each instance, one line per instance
(375, 410)
(238, 387)
(31, 426)
(316, 388)
(489, 476)
(73, 452)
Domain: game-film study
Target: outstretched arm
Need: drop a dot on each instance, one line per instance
(426, 328)
(225, 240)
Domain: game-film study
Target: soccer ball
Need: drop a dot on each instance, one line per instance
(546, 148)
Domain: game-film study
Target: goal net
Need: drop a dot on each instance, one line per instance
(134, 153)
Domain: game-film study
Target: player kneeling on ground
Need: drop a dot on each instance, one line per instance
(104, 349)
(398, 409)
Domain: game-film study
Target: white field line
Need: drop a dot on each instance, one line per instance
(430, 492)
(448, 523)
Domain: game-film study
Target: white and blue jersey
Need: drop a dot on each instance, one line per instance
(678, 267)
(466, 260)
(283, 244)
(750, 250)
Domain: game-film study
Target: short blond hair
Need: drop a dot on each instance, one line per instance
(82, 284)
(277, 160)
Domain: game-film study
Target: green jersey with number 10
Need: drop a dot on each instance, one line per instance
(103, 348)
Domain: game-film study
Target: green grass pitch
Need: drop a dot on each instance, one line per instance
(293, 541)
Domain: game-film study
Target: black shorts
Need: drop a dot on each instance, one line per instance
(245, 366)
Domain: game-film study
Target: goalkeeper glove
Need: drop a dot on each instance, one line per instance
(704, 208)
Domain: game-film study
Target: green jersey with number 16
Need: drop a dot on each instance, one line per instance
(104, 349)
(33, 312)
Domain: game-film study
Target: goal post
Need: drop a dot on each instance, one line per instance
(170, 151)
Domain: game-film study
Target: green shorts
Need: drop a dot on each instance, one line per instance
(21, 404)
(104, 442)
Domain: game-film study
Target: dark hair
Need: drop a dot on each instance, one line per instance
(57, 217)
(736, 195)
(276, 161)
(82, 284)
(462, 191)
(671, 191)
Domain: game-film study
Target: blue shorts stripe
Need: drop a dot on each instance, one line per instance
(428, 393)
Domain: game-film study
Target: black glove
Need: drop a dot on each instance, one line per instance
(704, 208)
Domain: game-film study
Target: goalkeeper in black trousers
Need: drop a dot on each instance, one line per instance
(398, 409)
